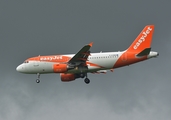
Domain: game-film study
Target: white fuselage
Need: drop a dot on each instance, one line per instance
(95, 63)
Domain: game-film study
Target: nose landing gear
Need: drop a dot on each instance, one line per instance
(37, 81)
(38, 78)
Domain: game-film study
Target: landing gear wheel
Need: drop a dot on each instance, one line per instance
(82, 75)
(37, 80)
(86, 80)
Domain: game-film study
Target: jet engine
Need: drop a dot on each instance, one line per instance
(67, 77)
(60, 68)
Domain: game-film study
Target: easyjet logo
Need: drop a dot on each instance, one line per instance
(51, 58)
(142, 38)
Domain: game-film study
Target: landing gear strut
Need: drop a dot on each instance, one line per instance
(38, 78)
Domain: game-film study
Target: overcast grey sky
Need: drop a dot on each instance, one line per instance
(42, 27)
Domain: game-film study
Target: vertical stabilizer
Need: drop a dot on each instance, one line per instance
(143, 40)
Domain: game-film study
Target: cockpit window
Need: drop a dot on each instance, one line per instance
(26, 61)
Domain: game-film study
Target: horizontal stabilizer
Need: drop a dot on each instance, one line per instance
(146, 51)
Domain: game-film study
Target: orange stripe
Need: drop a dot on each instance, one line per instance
(128, 58)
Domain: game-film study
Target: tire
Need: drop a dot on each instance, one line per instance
(38, 81)
(86, 80)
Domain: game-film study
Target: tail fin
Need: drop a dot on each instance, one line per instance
(143, 40)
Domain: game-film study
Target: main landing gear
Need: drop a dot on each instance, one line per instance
(86, 80)
(38, 78)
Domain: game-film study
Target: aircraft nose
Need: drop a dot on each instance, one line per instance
(20, 68)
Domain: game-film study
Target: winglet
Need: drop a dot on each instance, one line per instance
(90, 44)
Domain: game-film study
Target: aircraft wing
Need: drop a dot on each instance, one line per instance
(82, 55)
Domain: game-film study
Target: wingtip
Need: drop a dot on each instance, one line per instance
(91, 44)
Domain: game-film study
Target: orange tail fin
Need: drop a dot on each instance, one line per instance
(143, 40)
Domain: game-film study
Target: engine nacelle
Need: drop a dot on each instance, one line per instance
(67, 77)
(60, 68)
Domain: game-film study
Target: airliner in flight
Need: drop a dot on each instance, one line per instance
(73, 66)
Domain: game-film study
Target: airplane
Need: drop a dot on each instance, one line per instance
(74, 66)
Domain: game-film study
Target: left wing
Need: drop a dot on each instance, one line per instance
(82, 55)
